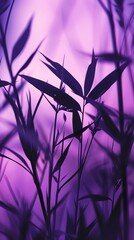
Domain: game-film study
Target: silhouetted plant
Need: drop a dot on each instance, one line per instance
(86, 218)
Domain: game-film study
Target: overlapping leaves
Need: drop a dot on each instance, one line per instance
(58, 95)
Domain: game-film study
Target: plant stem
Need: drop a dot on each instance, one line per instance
(125, 206)
(56, 200)
(119, 83)
(80, 163)
(121, 120)
(13, 80)
(57, 190)
(51, 175)
(38, 187)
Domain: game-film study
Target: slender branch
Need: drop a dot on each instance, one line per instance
(51, 174)
(79, 173)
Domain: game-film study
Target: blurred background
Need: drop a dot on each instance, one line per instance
(71, 31)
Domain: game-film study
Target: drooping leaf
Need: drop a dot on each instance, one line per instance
(90, 75)
(77, 124)
(95, 197)
(4, 156)
(107, 82)
(21, 42)
(18, 156)
(5, 102)
(58, 95)
(8, 207)
(4, 5)
(4, 83)
(67, 78)
(62, 159)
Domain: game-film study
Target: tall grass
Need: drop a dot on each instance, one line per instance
(99, 209)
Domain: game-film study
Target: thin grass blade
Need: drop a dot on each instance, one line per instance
(62, 159)
(96, 197)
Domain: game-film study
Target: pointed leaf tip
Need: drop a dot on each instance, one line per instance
(21, 42)
(4, 83)
(95, 197)
(107, 82)
(64, 75)
(57, 94)
(62, 158)
(90, 75)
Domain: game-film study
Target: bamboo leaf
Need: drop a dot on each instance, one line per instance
(112, 57)
(110, 124)
(8, 207)
(76, 133)
(96, 197)
(63, 74)
(29, 60)
(3, 83)
(61, 159)
(57, 94)
(5, 102)
(4, 156)
(21, 42)
(107, 82)
(90, 75)
(77, 125)
(4, 5)
(112, 129)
